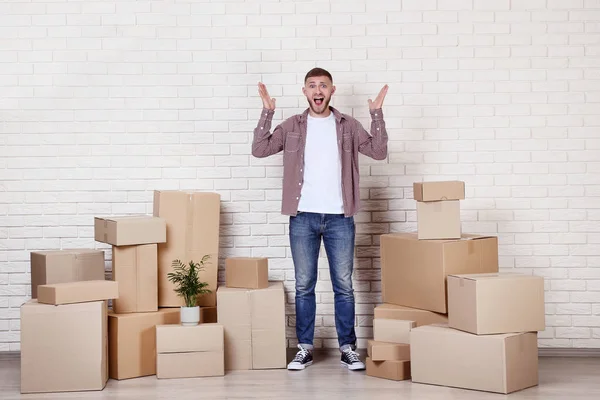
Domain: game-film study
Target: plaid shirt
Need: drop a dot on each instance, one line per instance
(290, 137)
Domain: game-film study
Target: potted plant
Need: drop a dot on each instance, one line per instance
(188, 286)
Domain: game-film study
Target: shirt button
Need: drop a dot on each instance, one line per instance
(297, 198)
(299, 184)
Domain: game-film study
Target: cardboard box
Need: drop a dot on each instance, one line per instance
(189, 365)
(58, 266)
(77, 292)
(439, 190)
(132, 341)
(247, 272)
(190, 351)
(413, 271)
(193, 220)
(502, 363)
(208, 315)
(438, 219)
(135, 268)
(496, 303)
(420, 317)
(386, 351)
(393, 370)
(392, 330)
(130, 230)
(254, 325)
(63, 348)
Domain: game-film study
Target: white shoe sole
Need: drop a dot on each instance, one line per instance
(353, 367)
(298, 367)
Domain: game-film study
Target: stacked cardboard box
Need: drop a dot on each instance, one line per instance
(185, 226)
(192, 220)
(252, 312)
(490, 340)
(472, 325)
(438, 209)
(64, 337)
(131, 324)
(189, 351)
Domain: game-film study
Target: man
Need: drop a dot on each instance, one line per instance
(321, 196)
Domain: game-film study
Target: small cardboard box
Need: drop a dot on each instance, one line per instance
(130, 230)
(63, 348)
(413, 271)
(77, 292)
(421, 317)
(193, 223)
(190, 351)
(392, 330)
(254, 325)
(132, 341)
(496, 303)
(393, 370)
(247, 272)
(502, 363)
(386, 351)
(439, 190)
(58, 266)
(438, 219)
(135, 268)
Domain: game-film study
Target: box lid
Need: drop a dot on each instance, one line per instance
(494, 275)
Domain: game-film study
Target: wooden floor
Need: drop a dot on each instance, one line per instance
(560, 378)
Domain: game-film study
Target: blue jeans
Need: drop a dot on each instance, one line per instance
(338, 233)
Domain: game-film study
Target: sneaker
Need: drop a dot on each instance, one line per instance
(302, 360)
(351, 361)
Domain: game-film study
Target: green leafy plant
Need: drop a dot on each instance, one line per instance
(185, 278)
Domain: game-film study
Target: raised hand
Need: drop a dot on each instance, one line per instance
(378, 102)
(268, 101)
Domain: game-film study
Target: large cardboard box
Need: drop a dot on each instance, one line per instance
(190, 351)
(193, 220)
(77, 292)
(420, 317)
(439, 190)
(254, 324)
(392, 330)
(496, 303)
(438, 219)
(132, 341)
(393, 370)
(58, 266)
(63, 348)
(130, 230)
(135, 268)
(247, 272)
(501, 363)
(413, 271)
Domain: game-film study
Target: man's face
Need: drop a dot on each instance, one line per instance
(318, 91)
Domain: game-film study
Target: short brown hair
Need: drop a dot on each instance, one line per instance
(317, 72)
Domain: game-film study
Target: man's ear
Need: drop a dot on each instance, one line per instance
(304, 90)
(332, 90)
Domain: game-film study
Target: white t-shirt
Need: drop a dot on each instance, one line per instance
(322, 187)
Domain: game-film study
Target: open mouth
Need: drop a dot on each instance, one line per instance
(319, 100)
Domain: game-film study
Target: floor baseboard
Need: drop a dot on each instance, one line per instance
(542, 351)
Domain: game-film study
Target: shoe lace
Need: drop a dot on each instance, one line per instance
(300, 355)
(352, 356)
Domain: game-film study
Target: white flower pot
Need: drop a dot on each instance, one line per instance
(190, 316)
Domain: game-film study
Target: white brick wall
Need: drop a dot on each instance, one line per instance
(104, 101)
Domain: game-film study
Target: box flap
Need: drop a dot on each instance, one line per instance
(494, 275)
